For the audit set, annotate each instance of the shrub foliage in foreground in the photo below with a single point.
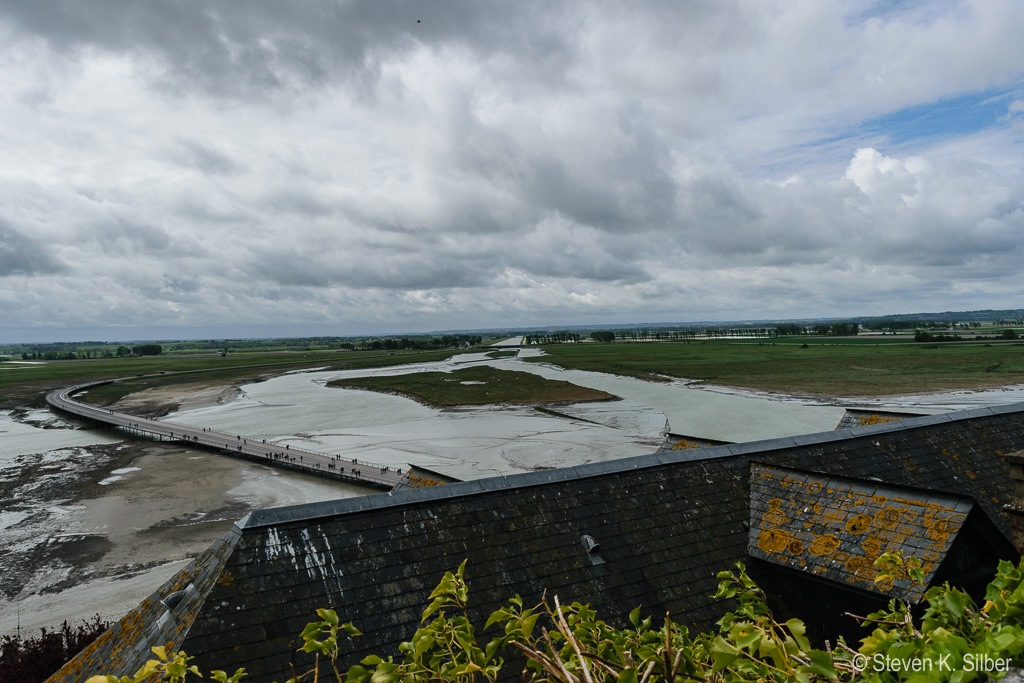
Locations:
(954, 640)
(35, 659)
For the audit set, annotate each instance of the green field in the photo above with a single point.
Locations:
(857, 366)
(475, 386)
(22, 385)
(831, 367)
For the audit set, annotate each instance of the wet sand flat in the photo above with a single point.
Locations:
(164, 399)
(96, 528)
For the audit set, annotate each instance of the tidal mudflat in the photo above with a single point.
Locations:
(478, 441)
(92, 524)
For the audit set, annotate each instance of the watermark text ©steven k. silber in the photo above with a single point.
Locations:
(948, 662)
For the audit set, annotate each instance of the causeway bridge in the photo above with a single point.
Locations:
(236, 445)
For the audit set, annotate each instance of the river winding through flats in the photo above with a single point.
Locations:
(95, 524)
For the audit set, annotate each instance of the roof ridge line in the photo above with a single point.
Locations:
(308, 511)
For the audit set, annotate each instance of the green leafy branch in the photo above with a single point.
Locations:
(172, 667)
(443, 649)
(569, 644)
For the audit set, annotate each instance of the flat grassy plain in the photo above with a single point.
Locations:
(479, 385)
(827, 367)
(26, 385)
(831, 367)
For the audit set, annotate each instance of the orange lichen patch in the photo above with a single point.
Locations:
(858, 524)
(876, 419)
(417, 481)
(862, 568)
(862, 417)
(681, 442)
(774, 541)
(941, 529)
(774, 517)
(887, 518)
(686, 444)
(872, 547)
(419, 477)
(823, 545)
(838, 527)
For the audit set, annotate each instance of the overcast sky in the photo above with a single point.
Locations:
(197, 169)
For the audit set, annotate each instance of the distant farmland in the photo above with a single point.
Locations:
(814, 366)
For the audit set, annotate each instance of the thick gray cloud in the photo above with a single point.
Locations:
(339, 167)
(22, 255)
(247, 48)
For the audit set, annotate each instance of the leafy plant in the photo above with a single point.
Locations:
(954, 640)
(754, 646)
(445, 649)
(172, 667)
(328, 629)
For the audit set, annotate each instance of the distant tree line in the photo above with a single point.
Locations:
(447, 341)
(835, 329)
(1002, 317)
(140, 350)
(926, 336)
(792, 329)
(838, 329)
(65, 352)
(553, 338)
(908, 325)
(278, 344)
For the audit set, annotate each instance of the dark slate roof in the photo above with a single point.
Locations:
(681, 442)
(666, 524)
(836, 527)
(861, 417)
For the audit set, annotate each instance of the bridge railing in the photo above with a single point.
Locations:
(291, 449)
(151, 425)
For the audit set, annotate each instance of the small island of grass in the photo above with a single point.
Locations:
(480, 385)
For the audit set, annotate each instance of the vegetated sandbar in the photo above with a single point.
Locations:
(481, 385)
